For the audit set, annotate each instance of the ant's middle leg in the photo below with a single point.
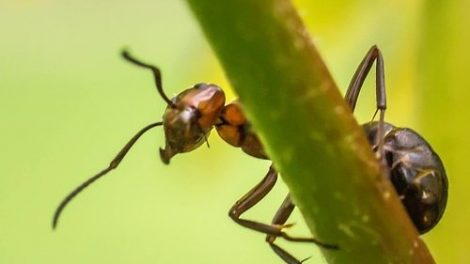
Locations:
(279, 219)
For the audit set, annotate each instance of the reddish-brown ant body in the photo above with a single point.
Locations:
(413, 167)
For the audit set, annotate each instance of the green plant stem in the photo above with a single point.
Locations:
(309, 131)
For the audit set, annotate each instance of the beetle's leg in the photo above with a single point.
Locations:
(357, 81)
(155, 70)
(279, 219)
(251, 199)
(112, 165)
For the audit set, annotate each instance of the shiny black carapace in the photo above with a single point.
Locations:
(411, 164)
(416, 171)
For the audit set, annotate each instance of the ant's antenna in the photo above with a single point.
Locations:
(114, 163)
(156, 74)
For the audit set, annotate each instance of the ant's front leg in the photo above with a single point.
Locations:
(251, 199)
(273, 230)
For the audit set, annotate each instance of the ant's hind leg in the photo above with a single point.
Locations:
(279, 219)
(357, 81)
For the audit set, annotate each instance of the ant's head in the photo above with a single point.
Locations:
(189, 118)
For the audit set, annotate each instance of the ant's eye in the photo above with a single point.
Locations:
(199, 85)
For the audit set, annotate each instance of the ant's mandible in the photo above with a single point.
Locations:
(415, 170)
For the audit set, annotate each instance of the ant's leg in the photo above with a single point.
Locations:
(156, 74)
(251, 199)
(282, 214)
(112, 165)
(360, 75)
(357, 81)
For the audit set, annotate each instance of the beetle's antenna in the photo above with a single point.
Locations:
(156, 74)
(113, 164)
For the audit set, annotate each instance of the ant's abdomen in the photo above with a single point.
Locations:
(416, 172)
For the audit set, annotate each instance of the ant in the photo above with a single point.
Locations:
(415, 170)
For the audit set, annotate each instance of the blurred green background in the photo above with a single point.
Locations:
(69, 103)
